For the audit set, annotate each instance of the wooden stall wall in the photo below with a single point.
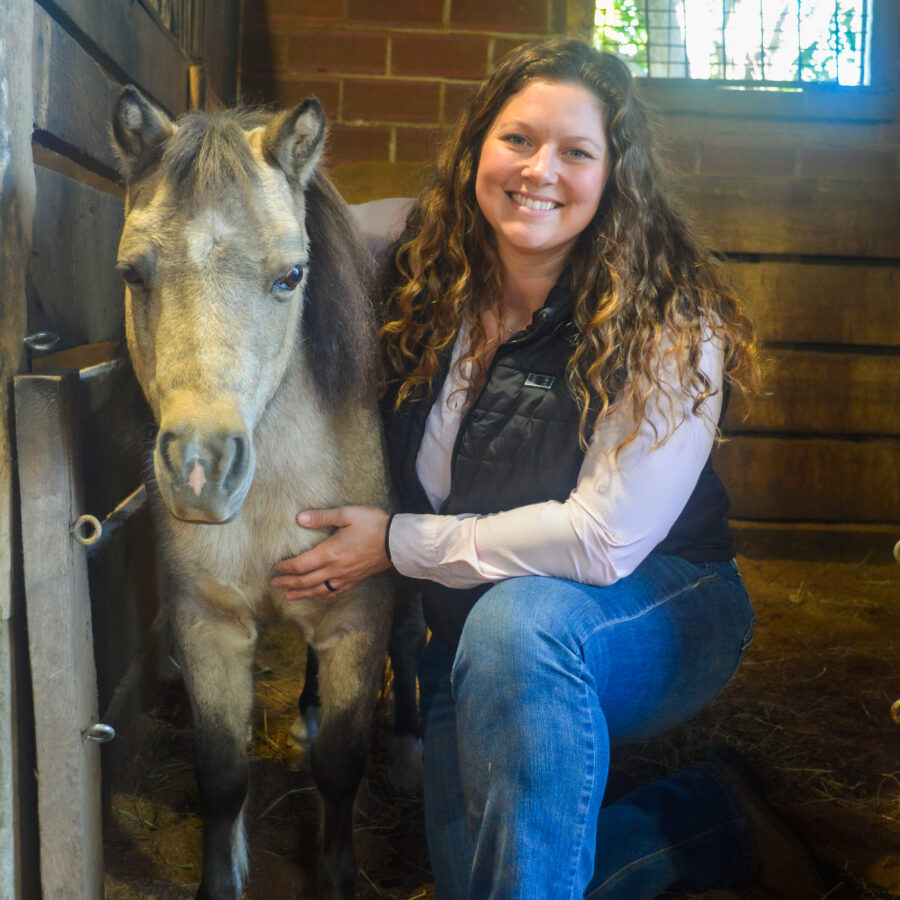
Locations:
(62, 63)
(801, 192)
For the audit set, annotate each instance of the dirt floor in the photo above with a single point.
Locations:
(810, 708)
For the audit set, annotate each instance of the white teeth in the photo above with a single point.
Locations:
(522, 200)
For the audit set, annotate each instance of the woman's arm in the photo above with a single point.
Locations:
(381, 221)
(620, 509)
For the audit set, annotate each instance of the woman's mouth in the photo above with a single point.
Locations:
(530, 203)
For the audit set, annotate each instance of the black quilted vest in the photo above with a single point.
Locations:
(518, 444)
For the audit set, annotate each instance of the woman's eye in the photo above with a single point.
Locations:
(515, 139)
(577, 153)
(289, 280)
(131, 277)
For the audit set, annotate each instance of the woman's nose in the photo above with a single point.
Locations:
(541, 166)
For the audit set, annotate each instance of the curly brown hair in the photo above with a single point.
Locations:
(644, 283)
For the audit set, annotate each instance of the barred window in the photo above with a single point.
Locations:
(753, 43)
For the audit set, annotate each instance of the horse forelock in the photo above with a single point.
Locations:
(209, 157)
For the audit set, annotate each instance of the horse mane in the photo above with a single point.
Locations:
(339, 325)
(338, 329)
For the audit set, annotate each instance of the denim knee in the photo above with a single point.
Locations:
(511, 632)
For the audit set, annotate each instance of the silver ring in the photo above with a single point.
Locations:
(329, 585)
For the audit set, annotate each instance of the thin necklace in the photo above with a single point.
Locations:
(513, 329)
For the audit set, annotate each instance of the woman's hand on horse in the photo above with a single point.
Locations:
(353, 552)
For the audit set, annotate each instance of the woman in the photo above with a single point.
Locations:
(559, 344)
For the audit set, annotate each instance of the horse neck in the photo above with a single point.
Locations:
(295, 424)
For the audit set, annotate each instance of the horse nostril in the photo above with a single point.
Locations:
(234, 461)
(163, 444)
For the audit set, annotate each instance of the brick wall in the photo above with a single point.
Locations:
(390, 73)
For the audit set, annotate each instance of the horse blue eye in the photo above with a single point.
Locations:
(290, 280)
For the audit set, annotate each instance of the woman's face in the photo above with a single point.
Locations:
(542, 170)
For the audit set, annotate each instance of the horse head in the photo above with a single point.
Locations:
(214, 253)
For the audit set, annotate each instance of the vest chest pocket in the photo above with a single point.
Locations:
(536, 380)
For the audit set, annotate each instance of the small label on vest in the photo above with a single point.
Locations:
(544, 382)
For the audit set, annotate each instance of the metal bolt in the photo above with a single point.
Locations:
(100, 733)
(41, 341)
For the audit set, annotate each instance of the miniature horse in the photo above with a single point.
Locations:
(251, 333)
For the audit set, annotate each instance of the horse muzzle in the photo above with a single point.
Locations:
(203, 474)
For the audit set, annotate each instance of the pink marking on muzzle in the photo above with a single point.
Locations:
(197, 478)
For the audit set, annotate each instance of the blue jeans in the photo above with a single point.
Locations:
(518, 727)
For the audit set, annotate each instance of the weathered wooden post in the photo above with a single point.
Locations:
(60, 636)
(17, 203)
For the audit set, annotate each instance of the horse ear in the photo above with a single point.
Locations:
(140, 130)
(294, 140)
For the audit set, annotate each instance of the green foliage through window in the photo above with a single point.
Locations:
(751, 42)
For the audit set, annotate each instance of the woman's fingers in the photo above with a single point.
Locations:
(354, 551)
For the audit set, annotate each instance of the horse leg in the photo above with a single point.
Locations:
(216, 655)
(407, 640)
(304, 728)
(349, 674)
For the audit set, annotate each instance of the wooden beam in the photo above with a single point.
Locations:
(822, 304)
(812, 480)
(815, 542)
(823, 393)
(18, 830)
(137, 48)
(673, 96)
(77, 292)
(73, 96)
(855, 217)
(60, 637)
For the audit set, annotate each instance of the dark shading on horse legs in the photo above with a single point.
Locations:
(222, 779)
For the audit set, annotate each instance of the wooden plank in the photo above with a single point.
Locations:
(17, 206)
(73, 96)
(60, 637)
(84, 356)
(812, 480)
(138, 50)
(76, 291)
(815, 103)
(857, 217)
(220, 48)
(18, 826)
(801, 540)
(122, 569)
(108, 183)
(823, 393)
(823, 304)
